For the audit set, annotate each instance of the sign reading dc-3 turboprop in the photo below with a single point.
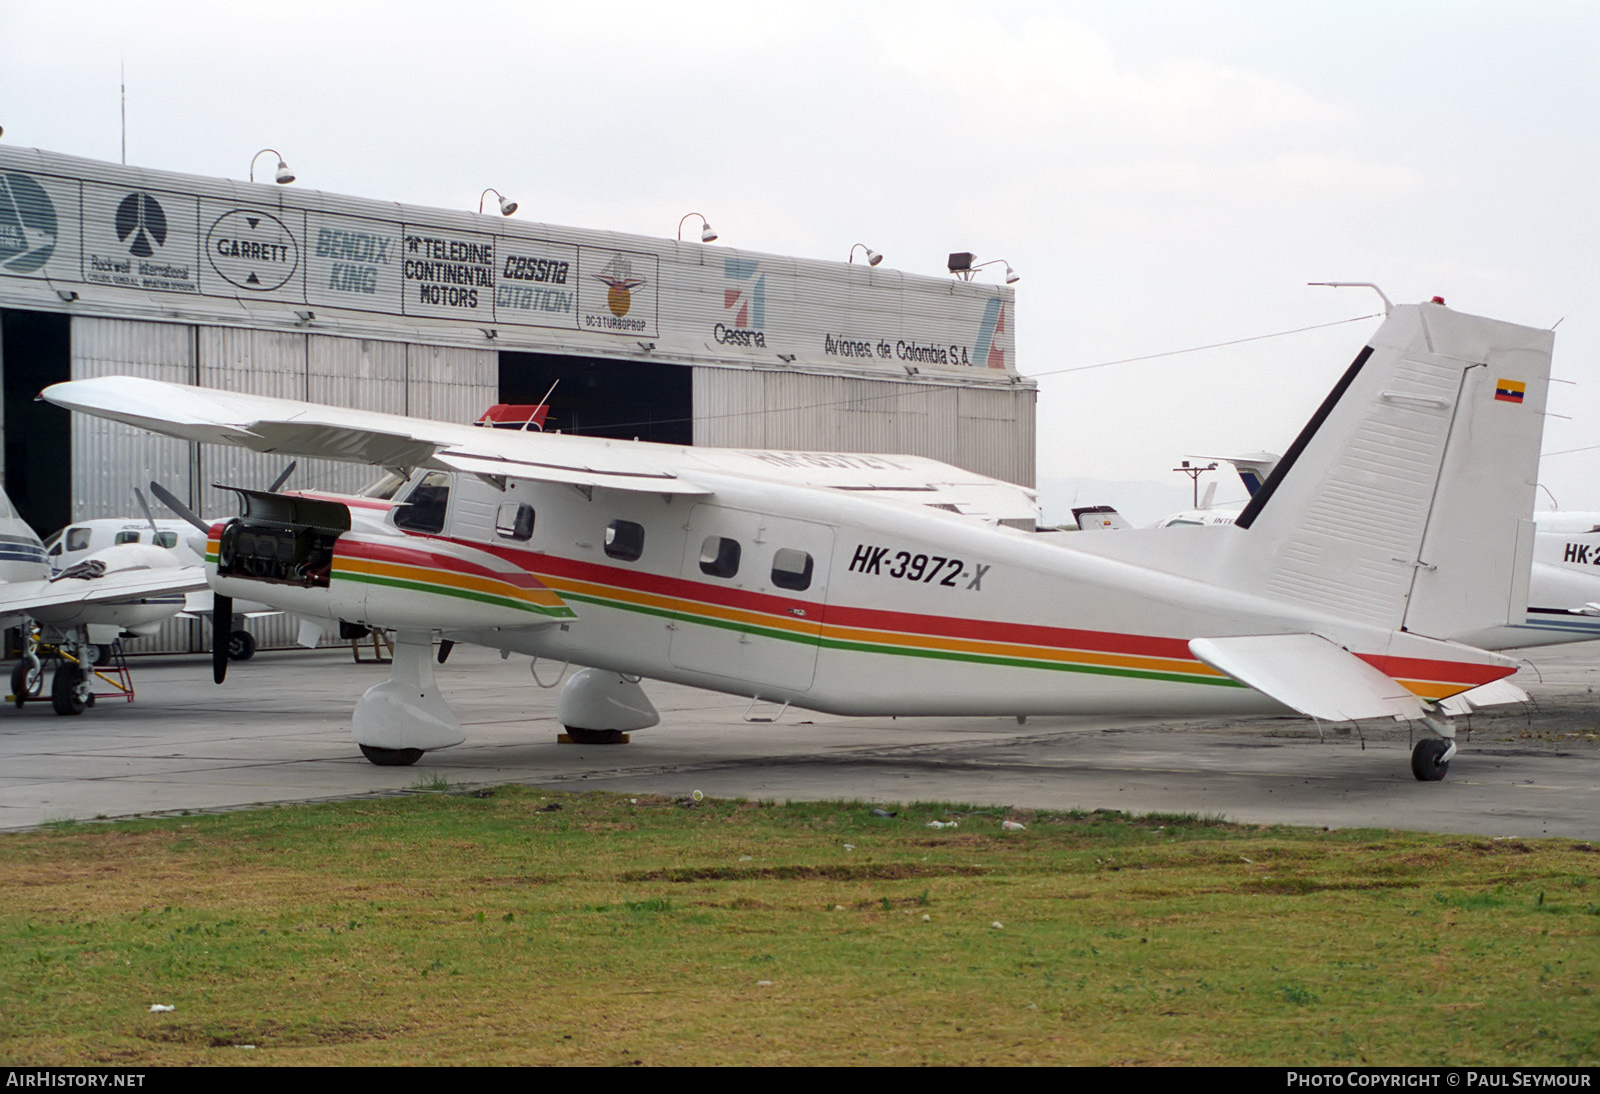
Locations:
(883, 585)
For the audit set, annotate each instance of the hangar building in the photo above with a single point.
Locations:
(280, 290)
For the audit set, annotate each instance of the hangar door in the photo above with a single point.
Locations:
(600, 397)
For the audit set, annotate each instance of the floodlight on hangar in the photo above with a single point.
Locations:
(283, 177)
(962, 265)
(873, 257)
(507, 206)
(707, 233)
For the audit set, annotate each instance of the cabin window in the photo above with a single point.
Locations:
(719, 556)
(127, 537)
(424, 509)
(166, 539)
(624, 540)
(78, 539)
(514, 520)
(791, 569)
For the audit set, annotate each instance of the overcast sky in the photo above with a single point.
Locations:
(1161, 175)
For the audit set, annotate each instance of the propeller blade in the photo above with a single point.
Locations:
(146, 507)
(221, 627)
(170, 500)
(277, 483)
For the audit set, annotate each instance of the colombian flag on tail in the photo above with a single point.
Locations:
(1509, 391)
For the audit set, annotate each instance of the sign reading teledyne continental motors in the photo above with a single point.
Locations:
(181, 246)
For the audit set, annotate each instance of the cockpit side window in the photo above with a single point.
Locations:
(424, 508)
(166, 539)
(77, 539)
(127, 537)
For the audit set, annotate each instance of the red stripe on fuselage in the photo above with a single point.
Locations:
(984, 630)
(350, 548)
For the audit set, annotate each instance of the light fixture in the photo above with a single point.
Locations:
(707, 235)
(283, 177)
(67, 295)
(507, 206)
(490, 333)
(962, 266)
(873, 257)
(647, 346)
(304, 317)
(1387, 306)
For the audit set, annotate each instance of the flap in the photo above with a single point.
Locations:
(654, 482)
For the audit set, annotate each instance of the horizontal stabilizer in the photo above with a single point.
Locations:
(1310, 674)
(1484, 695)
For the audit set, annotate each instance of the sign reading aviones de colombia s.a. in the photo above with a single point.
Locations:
(179, 246)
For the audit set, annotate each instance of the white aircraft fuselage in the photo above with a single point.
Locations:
(872, 584)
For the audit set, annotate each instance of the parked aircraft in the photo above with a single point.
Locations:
(124, 589)
(887, 585)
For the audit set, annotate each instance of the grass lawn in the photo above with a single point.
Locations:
(523, 926)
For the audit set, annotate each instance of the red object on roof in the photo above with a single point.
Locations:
(515, 416)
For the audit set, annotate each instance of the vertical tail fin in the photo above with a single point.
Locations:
(1406, 501)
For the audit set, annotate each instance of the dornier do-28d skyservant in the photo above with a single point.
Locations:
(883, 585)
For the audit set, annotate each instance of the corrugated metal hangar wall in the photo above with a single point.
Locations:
(106, 269)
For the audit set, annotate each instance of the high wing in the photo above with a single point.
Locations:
(288, 427)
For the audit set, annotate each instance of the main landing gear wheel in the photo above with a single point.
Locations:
(27, 681)
(64, 694)
(1426, 764)
(391, 757)
(595, 736)
(241, 646)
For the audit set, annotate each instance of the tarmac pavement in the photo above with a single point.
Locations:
(278, 731)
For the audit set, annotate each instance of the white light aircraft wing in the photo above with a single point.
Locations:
(265, 424)
(20, 598)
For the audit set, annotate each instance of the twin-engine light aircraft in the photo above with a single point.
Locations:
(126, 589)
(888, 585)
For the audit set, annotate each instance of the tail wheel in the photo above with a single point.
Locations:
(64, 694)
(391, 757)
(1426, 760)
(241, 646)
(27, 681)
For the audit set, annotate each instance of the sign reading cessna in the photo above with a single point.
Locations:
(252, 250)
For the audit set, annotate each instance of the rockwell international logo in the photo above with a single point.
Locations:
(28, 228)
(139, 246)
(141, 223)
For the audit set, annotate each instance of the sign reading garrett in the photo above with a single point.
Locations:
(252, 250)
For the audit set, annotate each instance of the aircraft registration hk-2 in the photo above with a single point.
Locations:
(887, 585)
